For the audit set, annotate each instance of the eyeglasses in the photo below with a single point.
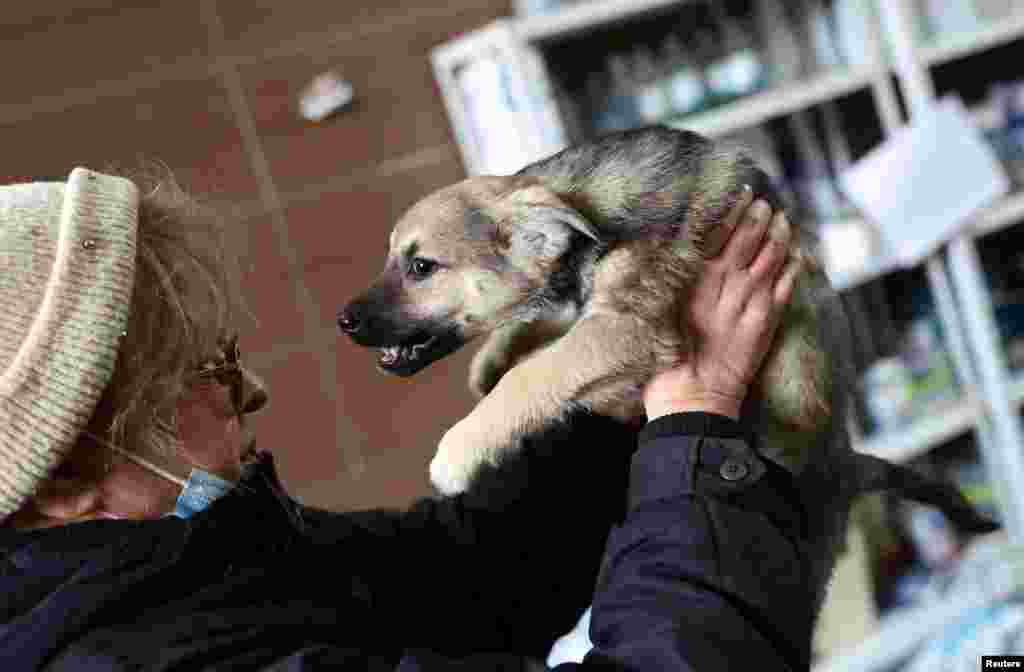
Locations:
(226, 369)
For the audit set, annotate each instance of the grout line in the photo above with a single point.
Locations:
(312, 43)
(419, 158)
(204, 67)
(315, 334)
(194, 69)
(253, 147)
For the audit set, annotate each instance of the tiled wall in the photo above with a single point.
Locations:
(210, 88)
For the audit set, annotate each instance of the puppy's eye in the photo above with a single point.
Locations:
(421, 268)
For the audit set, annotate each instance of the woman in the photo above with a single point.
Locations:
(140, 532)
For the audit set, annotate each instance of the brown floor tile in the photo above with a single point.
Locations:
(342, 236)
(38, 15)
(397, 422)
(259, 26)
(396, 109)
(188, 126)
(49, 53)
(300, 425)
(271, 291)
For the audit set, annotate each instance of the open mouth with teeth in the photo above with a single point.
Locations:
(416, 353)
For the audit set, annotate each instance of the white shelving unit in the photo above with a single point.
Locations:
(585, 17)
(1017, 389)
(991, 396)
(875, 268)
(777, 102)
(1005, 212)
(996, 421)
(937, 424)
(1007, 30)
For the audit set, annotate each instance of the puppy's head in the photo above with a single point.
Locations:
(461, 262)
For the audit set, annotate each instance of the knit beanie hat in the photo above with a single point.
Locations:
(67, 264)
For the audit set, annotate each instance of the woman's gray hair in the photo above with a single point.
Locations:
(187, 298)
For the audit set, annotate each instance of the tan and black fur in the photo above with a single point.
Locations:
(573, 269)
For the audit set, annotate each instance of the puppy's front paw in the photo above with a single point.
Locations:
(484, 373)
(461, 452)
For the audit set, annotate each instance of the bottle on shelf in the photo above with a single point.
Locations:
(531, 8)
(737, 70)
(950, 18)
(652, 99)
(595, 98)
(814, 183)
(785, 61)
(994, 10)
(886, 386)
(931, 368)
(687, 90)
(857, 31)
(848, 242)
(819, 35)
(706, 52)
(839, 155)
(616, 110)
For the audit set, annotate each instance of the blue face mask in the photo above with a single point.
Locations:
(200, 491)
(197, 493)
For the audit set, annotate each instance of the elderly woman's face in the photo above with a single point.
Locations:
(209, 429)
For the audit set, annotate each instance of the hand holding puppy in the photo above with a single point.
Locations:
(732, 313)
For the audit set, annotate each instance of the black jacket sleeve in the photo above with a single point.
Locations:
(705, 572)
(509, 565)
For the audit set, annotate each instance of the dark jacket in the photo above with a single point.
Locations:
(701, 574)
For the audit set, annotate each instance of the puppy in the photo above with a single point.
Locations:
(576, 269)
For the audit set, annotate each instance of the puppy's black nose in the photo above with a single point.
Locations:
(349, 322)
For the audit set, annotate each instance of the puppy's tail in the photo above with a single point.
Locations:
(873, 474)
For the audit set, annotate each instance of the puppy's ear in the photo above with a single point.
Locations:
(544, 231)
(567, 217)
(538, 223)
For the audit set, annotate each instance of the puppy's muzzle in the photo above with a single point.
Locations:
(349, 322)
(366, 326)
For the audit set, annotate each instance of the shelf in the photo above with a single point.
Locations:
(875, 268)
(955, 47)
(936, 424)
(585, 16)
(1001, 214)
(1005, 212)
(1017, 388)
(901, 633)
(775, 102)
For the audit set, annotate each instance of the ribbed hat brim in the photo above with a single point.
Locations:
(67, 267)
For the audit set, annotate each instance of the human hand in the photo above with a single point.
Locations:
(732, 314)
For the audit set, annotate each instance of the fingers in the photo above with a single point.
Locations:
(787, 281)
(772, 276)
(718, 238)
(771, 255)
(746, 240)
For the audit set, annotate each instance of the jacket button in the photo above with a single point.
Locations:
(733, 470)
